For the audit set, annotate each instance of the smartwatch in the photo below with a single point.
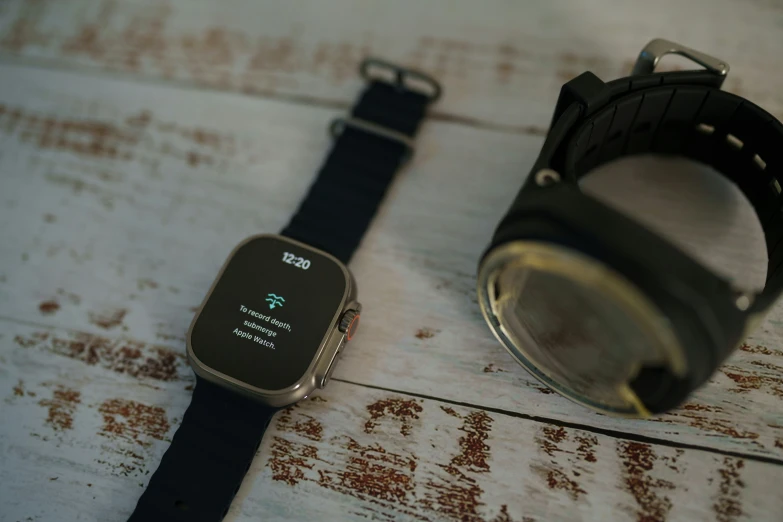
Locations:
(592, 303)
(279, 313)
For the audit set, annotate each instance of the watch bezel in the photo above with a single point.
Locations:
(330, 342)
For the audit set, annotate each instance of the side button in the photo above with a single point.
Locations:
(332, 365)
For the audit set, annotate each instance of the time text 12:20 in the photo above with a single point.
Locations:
(299, 262)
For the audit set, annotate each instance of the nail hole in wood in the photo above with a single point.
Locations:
(705, 128)
(734, 141)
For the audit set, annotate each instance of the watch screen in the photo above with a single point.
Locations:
(268, 313)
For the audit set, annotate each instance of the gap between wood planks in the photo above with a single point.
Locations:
(296, 99)
(616, 434)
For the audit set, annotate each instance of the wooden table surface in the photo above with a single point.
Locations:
(141, 140)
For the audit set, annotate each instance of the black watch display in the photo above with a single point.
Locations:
(591, 302)
(279, 313)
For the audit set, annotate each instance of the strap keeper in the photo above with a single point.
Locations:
(338, 125)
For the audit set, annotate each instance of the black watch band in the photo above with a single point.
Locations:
(221, 430)
(683, 113)
(202, 469)
(370, 147)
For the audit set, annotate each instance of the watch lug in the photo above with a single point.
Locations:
(587, 89)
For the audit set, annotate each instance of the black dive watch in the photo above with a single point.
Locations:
(592, 303)
(277, 316)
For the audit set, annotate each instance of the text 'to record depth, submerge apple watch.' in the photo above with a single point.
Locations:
(282, 307)
(592, 303)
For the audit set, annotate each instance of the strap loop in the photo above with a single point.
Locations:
(403, 79)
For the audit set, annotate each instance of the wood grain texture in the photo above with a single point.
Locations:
(125, 199)
(120, 200)
(502, 64)
(86, 434)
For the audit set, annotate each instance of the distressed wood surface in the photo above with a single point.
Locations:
(88, 430)
(120, 200)
(503, 63)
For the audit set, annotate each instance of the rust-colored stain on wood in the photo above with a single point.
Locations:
(127, 356)
(543, 389)
(137, 137)
(671, 462)
(728, 506)
(768, 366)
(699, 407)
(549, 439)
(474, 450)
(709, 418)
(308, 427)
(289, 460)
(133, 421)
(83, 137)
(638, 460)
(108, 318)
(371, 471)
(556, 476)
(491, 368)
(451, 411)
(49, 307)
(585, 449)
(62, 407)
(505, 67)
(19, 389)
(460, 497)
(425, 333)
(763, 350)
(29, 393)
(557, 479)
(403, 410)
(745, 381)
(214, 55)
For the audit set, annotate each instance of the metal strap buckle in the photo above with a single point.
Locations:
(404, 79)
(656, 49)
(340, 124)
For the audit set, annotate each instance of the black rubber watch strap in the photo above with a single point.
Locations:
(211, 451)
(201, 471)
(371, 147)
(682, 114)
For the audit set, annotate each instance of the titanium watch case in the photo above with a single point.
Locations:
(698, 314)
(324, 361)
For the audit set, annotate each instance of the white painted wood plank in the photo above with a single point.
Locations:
(120, 201)
(84, 438)
(502, 62)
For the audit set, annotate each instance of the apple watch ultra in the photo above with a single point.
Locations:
(592, 303)
(281, 309)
